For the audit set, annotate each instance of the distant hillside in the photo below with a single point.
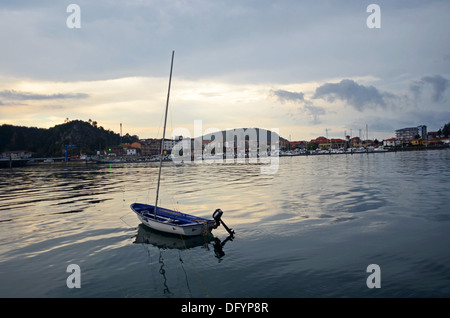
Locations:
(50, 142)
(260, 132)
(86, 135)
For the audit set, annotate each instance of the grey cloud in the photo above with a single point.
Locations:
(438, 84)
(15, 95)
(289, 96)
(314, 112)
(9, 104)
(416, 89)
(358, 96)
(239, 40)
(306, 106)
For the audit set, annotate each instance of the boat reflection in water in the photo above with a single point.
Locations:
(167, 241)
(146, 235)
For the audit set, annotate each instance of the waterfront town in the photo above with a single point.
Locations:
(409, 138)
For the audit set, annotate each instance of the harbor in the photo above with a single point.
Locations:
(87, 160)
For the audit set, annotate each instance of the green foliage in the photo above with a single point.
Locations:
(20, 138)
(446, 130)
(50, 142)
(128, 139)
(312, 146)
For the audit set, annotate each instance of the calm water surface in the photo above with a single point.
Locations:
(310, 230)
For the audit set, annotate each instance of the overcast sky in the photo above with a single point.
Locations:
(304, 67)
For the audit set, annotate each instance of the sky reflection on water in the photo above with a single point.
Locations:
(310, 230)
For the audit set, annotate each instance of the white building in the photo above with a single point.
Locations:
(132, 151)
(169, 143)
(392, 142)
(410, 133)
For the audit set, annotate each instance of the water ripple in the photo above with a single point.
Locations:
(317, 223)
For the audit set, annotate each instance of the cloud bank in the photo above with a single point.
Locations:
(437, 83)
(284, 96)
(15, 95)
(16, 98)
(398, 108)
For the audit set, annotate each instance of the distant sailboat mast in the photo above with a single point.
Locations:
(164, 136)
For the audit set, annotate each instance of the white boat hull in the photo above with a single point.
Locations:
(186, 230)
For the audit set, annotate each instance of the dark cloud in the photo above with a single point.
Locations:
(438, 84)
(15, 95)
(358, 96)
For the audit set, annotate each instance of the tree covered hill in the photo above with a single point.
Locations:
(50, 142)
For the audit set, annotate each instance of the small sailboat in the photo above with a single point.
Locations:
(171, 221)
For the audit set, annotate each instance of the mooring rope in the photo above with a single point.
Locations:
(195, 268)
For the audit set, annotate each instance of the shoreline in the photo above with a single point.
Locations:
(386, 150)
(14, 163)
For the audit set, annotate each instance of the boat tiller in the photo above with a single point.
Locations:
(217, 218)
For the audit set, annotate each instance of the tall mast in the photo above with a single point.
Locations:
(164, 135)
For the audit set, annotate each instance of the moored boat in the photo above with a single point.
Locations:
(171, 221)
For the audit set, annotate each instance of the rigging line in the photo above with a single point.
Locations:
(185, 274)
(173, 202)
(171, 121)
(195, 268)
(160, 125)
(149, 255)
(121, 218)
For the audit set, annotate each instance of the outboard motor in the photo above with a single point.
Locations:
(217, 218)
